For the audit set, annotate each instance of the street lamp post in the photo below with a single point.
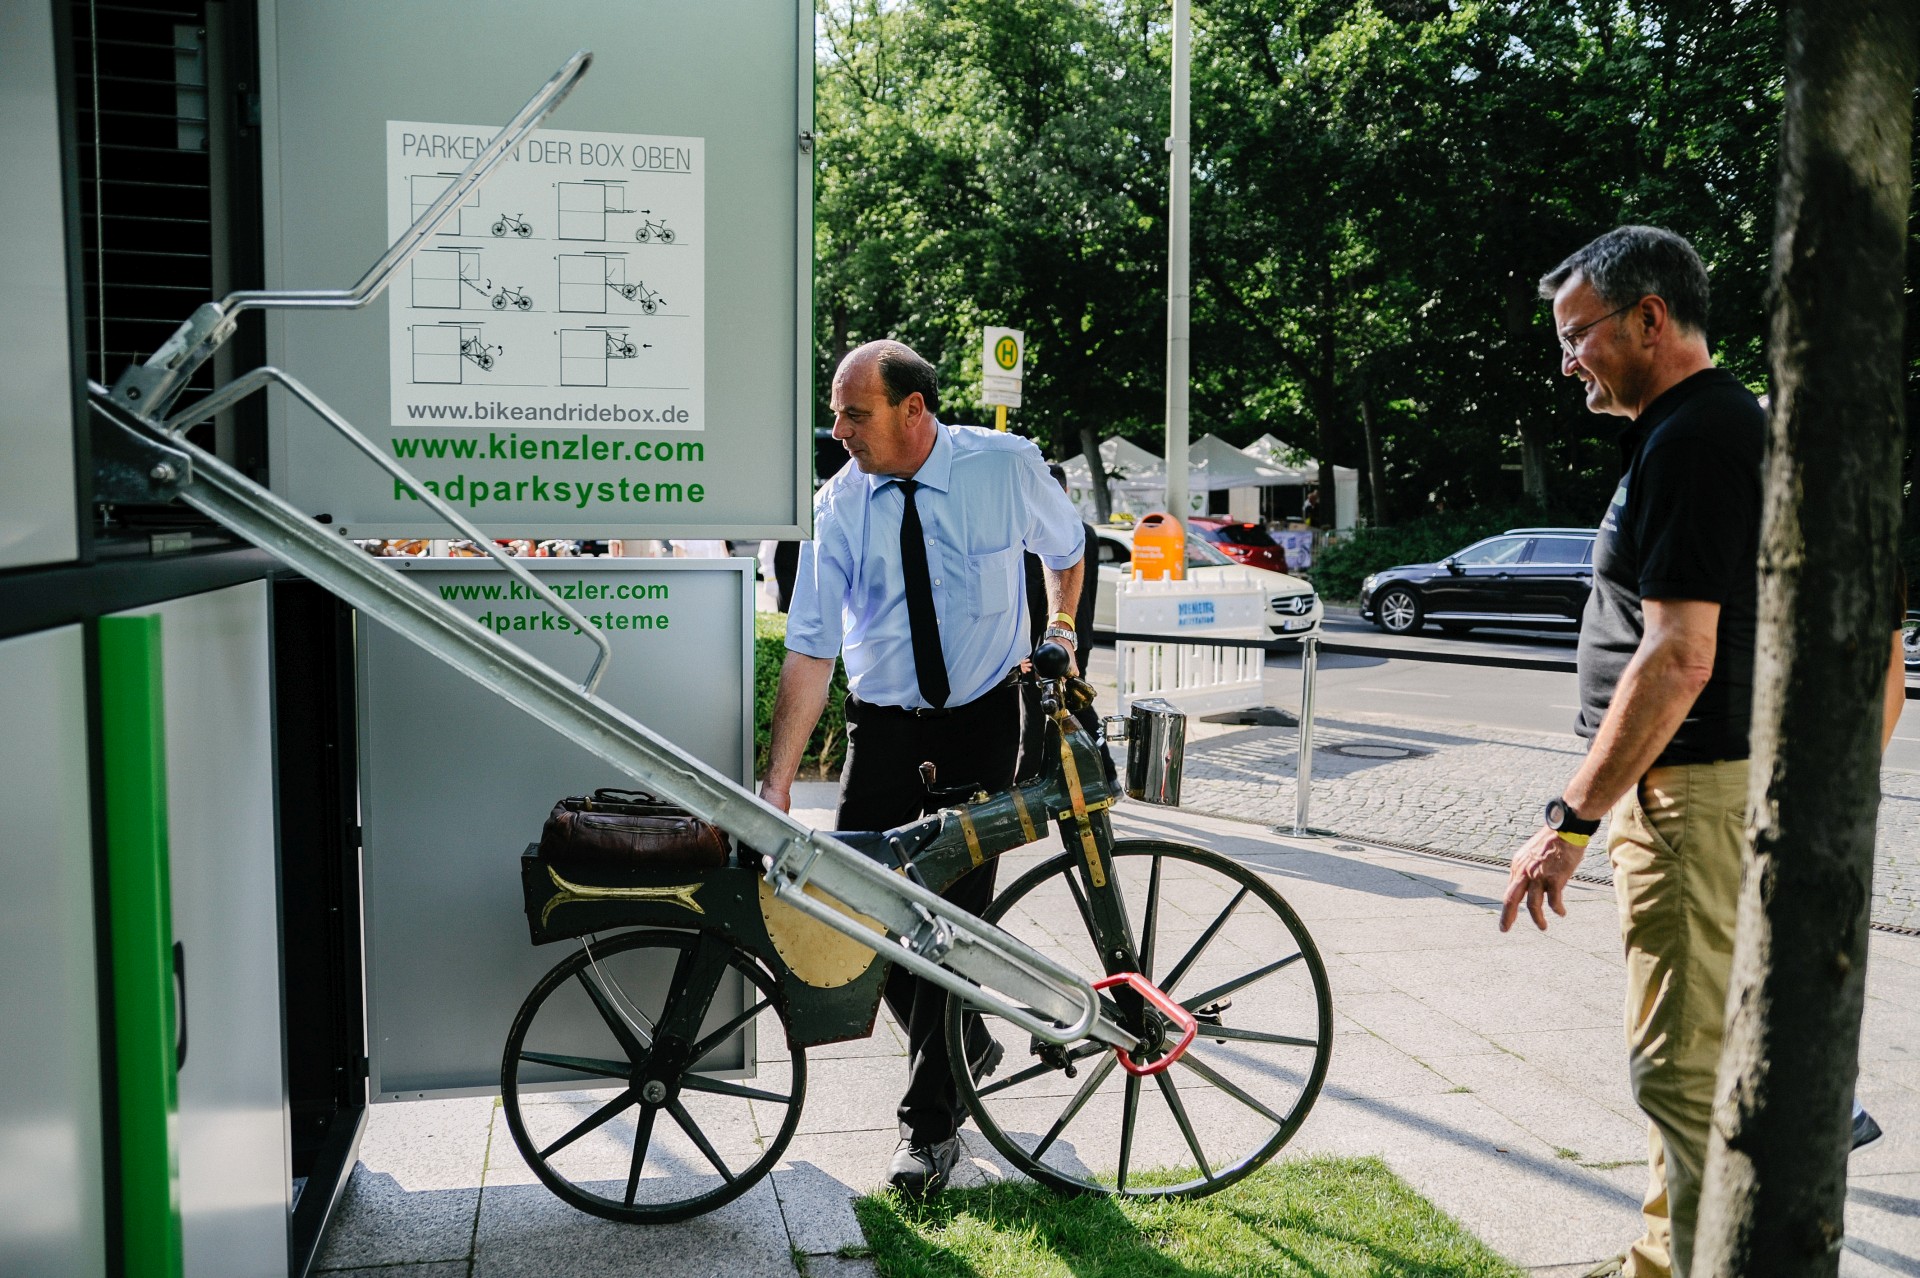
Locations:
(1178, 238)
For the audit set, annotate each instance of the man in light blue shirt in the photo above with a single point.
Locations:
(914, 578)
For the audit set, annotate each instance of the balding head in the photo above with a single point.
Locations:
(901, 370)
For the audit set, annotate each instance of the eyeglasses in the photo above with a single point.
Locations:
(1570, 340)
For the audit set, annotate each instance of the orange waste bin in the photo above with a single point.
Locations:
(1159, 548)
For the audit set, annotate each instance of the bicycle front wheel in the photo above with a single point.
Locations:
(1216, 937)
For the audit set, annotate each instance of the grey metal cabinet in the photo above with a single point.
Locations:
(52, 1208)
(233, 1139)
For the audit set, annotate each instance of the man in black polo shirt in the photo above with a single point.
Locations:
(1666, 686)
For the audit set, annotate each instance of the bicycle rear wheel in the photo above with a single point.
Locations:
(645, 1026)
(1217, 938)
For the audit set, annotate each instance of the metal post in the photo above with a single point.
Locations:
(1181, 171)
(1303, 777)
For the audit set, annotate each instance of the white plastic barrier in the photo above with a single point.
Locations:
(1226, 605)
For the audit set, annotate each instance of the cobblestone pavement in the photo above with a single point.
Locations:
(1459, 789)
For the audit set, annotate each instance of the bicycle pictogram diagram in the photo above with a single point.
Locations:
(638, 293)
(585, 353)
(442, 352)
(509, 223)
(474, 349)
(516, 298)
(650, 231)
(586, 280)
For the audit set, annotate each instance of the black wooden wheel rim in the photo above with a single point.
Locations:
(650, 1109)
(1209, 1062)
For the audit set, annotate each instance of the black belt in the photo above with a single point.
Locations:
(929, 712)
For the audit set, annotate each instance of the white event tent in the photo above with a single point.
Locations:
(1137, 480)
(1304, 470)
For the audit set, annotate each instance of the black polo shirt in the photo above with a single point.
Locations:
(1683, 524)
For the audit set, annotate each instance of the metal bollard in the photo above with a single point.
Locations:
(1303, 777)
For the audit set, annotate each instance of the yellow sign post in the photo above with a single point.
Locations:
(1003, 356)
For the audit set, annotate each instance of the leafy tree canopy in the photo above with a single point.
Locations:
(1378, 185)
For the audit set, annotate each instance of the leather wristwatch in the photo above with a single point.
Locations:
(1560, 817)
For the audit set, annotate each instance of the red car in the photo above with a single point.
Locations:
(1246, 544)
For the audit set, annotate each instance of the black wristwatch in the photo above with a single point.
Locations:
(1561, 817)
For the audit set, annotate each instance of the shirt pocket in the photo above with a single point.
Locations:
(994, 582)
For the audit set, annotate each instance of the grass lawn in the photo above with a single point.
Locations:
(1325, 1217)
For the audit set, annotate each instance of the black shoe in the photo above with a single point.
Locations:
(1865, 1130)
(982, 1064)
(919, 1170)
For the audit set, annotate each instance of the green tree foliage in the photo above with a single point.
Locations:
(1378, 185)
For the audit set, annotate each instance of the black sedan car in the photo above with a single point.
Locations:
(1533, 577)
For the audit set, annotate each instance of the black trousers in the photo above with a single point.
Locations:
(880, 787)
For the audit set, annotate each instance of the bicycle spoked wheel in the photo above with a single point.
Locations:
(613, 1078)
(1219, 940)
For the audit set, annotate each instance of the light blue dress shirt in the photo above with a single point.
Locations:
(984, 497)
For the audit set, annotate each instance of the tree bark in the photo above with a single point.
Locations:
(1376, 476)
(1775, 1185)
(1533, 462)
(1102, 499)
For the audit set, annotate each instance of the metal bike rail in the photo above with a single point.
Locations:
(145, 456)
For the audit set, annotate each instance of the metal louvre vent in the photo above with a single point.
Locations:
(146, 202)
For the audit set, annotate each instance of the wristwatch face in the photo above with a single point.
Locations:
(1560, 817)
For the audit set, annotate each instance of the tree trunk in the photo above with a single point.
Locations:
(1533, 463)
(1775, 1185)
(1325, 511)
(1102, 499)
(1376, 475)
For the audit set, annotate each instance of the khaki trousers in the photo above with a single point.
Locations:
(1678, 844)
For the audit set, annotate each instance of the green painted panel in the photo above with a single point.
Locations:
(133, 739)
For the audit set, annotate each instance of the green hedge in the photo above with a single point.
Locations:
(1339, 566)
(828, 747)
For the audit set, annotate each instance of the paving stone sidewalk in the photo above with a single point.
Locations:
(1475, 790)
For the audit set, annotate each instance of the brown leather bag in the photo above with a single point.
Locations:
(626, 830)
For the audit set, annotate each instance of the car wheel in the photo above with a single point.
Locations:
(1398, 612)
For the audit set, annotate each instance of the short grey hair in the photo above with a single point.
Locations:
(902, 371)
(1629, 262)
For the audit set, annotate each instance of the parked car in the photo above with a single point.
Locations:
(1534, 577)
(1249, 544)
(1292, 608)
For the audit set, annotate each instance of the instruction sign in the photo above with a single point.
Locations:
(1003, 363)
(569, 291)
(614, 337)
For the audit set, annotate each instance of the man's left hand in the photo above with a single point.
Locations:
(1540, 870)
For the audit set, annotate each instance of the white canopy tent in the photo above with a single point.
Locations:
(1137, 480)
(1303, 470)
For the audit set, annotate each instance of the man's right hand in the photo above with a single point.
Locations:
(1539, 873)
(777, 795)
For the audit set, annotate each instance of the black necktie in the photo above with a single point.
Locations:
(928, 662)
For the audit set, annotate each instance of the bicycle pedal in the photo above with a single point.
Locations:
(1054, 1056)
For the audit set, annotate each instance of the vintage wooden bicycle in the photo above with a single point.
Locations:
(1205, 965)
